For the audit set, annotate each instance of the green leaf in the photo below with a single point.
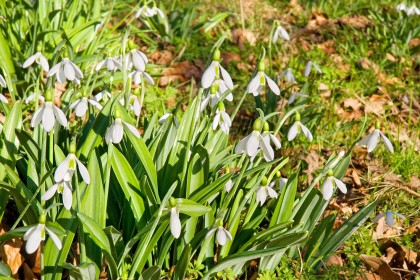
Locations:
(84, 271)
(182, 264)
(152, 273)
(198, 170)
(191, 208)
(285, 203)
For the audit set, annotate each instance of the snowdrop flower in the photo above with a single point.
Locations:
(3, 99)
(308, 68)
(217, 89)
(105, 95)
(175, 222)
(40, 59)
(63, 187)
(213, 71)
(37, 233)
(280, 32)
(288, 75)
(2, 82)
(298, 127)
(222, 118)
(371, 140)
(150, 12)
(111, 63)
(66, 70)
(32, 96)
(47, 114)
(388, 217)
(135, 58)
(115, 132)
(228, 185)
(328, 186)
(337, 159)
(137, 74)
(67, 167)
(401, 7)
(282, 182)
(81, 105)
(413, 10)
(222, 234)
(259, 81)
(265, 190)
(163, 119)
(294, 96)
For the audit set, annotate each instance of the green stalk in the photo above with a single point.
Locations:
(80, 228)
(108, 174)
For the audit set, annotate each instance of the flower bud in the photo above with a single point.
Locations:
(172, 202)
(257, 124)
(227, 170)
(221, 106)
(216, 55)
(264, 181)
(136, 92)
(220, 222)
(72, 148)
(278, 174)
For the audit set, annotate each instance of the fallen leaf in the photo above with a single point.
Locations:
(352, 103)
(10, 253)
(334, 260)
(356, 178)
(380, 267)
(366, 64)
(314, 161)
(322, 87)
(27, 273)
(355, 21)
(228, 57)
(390, 57)
(162, 57)
(240, 36)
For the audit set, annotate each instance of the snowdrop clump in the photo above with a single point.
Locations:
(371, 140)
(413, 10)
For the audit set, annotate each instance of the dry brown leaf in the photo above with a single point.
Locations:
(162, 57)
(352, 103)
(316, 20)
(355, 21)
(367, 64)
(328, 47)
(10, 253)
(322, 87)
(240, 37)
(228, 57)
(180, 72)
(369, 276)
(314, 161)
(380, 267)
(390, 57)
(334, 260)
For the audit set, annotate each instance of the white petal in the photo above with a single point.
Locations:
(83, 171)
(387, 143)
(226, 119)
(306, 132)
(61, 118)
(74, 104)
(271, 193)
(241, 146)
(228, 185)
(175, 223)
(108, 134)
(340, 185)
(132, 129)
(307, 70)
(365, 140)
(283, 33)
(137, 60)
(48, 118)
(61, 170)
(227, 233)
(378, 217)
(100, 65)
(373, 141)
(61, 76)
(275, 141)
(44, 63)
(3, 99)
(210, 232)
(149, 78)
(276, 35)
(55, 239)
(265, 145)
(283, 182)
(229, 97)
(37, 117)
(317, 68)
(29, 232)
(69, 71)
(163, 118)
(140, 11)
(216, 120)
(221, 236)
(389, 219)
(327, 188)
(33, 240)
(77, 70)
(204, 103)
(95, 104)
(81, 108)
(30, 61)
(261, 195)
(226, 77)
(209, 75)
(67, 196)
(3, 82)
(136, 107)
(54, 70)
(293, 131)
(292, 98)
(252, 144)
(50, 192)
(254, 84)
(117, 132)
(272, 85)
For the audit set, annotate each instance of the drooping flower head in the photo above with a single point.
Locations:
(260, 80)
(388, 217)
(288, 75)
(47, 114)
(37, 233)
(135, 58)
(329, 183)
(265, 190)
(112, 63)
(175, 222)
(308, 68)
(115, 132)
(150, 12)
(297, 128)
(40, 59)
(67, 167)
(222, 119)
(280, 32)
(213, 71)
(222, 234)
(66, 69)
(2, 82)
(63, 187)
(371, 140)
(81, 105)
(217, 89)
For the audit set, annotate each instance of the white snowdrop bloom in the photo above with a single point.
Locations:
(135, 58)
(81, 106)
(280, 32)
(222, 234)
(213, 71)
(288, 75)
(174, 222)
(282, 182)
(401, 7)
(115, 132)
(163, 119)
(229, 185)
(137, 74)
(413, 10)
(2, 82)
(37, 233)
(3, 99)
(308, 68)
(32, 96)
(111, 63)
(259, 81)
(102, 95)
(63, 187)
(222, 118)
(388, 217)
(150, 12)
(68, 166)
(328, 186)
(265, 190)
(294, 96)
(47, 114)
(40, 59)
(371, 140)
(217, 89)
(66, 70)
(298, 127)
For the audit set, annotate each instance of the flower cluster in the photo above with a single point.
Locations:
(413, 10)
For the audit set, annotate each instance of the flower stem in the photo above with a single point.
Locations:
(107, 175)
